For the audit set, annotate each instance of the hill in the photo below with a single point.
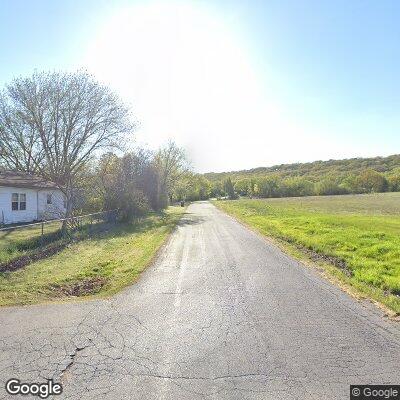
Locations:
(355, 175)
(314, 170)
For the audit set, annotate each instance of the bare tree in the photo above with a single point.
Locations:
(19, 146)
(53, 123)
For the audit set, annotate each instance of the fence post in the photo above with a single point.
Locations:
(41, 237)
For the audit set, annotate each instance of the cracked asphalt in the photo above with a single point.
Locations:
(221, 314)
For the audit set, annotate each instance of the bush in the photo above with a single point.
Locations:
(131, 204)
(328, 187)
(296, 186)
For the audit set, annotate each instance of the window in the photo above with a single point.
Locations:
(49, 199)
(14, 201)
(18, 201)
(22, 201)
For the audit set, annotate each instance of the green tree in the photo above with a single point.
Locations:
(229, 189)
(268, 187)
(123, 183)
(371, 181)
(394, 180)
(242, 186)
(192, 187)
(217, 189)
(171, 164)
(328, 186)
(296, 186)
(351, 184)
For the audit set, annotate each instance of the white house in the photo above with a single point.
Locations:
(26, 198)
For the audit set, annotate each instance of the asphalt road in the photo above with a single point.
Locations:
(221, 314)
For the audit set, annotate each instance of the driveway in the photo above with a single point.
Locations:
(221, 314)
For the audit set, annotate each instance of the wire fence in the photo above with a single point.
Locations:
(70, 221)
(20, 240)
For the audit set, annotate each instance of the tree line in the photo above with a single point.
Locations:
(368, 181)
(356, 176)
(333, 177)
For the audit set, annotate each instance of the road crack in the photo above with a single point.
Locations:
(65, 372)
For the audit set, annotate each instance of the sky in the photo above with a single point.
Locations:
(238, 84)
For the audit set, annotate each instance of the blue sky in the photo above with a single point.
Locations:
(265, 81)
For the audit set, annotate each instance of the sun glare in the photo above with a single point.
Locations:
(188, 76)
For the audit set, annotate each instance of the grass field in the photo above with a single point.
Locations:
(97, 266)
(360, 234)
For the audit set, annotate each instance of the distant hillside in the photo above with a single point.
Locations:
(355, 175)
(314, 171)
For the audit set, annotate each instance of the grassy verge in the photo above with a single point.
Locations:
(19, 242)
(355, 238)
(97, 266)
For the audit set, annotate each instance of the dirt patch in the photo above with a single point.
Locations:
(395, 292)
(336, 261)
(48, 250)
(81, 288)
(36, 255)
(318, 257)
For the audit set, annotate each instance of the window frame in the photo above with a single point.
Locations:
(18, 201)
(22, 202)
(13, 201)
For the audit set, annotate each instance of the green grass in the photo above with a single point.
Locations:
(18, 242)
(28, 239)
(97, 266)
(363, 231)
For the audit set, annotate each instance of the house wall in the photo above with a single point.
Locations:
(36, 205)
(7, 216)
(54, 210)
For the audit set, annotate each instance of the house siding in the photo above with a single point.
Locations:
(36, 205)
(54, 210)
(7, 215)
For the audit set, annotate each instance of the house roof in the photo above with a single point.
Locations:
(24, 180)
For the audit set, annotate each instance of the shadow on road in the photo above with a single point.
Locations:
(190, 219)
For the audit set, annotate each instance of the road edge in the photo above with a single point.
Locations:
(324, 269)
